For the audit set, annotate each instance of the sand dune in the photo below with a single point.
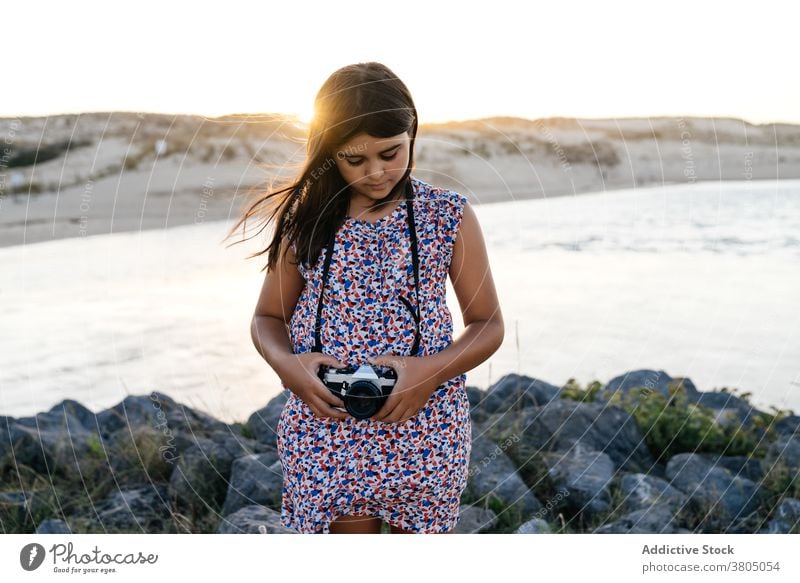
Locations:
(79, 175)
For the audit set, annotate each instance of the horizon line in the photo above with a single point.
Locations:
(295, 118)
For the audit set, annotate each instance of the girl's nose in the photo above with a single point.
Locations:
(374, 173)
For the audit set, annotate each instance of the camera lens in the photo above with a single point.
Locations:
(362, 399)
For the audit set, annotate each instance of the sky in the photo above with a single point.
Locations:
(460, 60)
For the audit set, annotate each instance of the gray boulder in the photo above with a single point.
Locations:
(75, 409)
(157, 411)
(254, 519)
(649, 380)
(202, 474)
(718, 500)
(640, 492)
(787, 426)
(786, 519)
(585, 475)
(47, 442)
(738, 465)
(255, 479)
(514, 393)
(5, 444)
(474, 519)
(658, 519)
(53, 526)
(493, 475)
(784, 451)
(263, 424)
(146, 510)
(535, 526)
(730, 409)
(562, 423)
(476, 397)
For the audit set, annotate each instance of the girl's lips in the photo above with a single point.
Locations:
(381, 185)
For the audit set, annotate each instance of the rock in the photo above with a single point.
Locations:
(493, 475)
(263, 424)
(476, 397)
(738, 465)
(5, 444)
(648, 379)
(513, 393)
(54, 420)
(146, 509)
(202, 474)
(73, 408)
(562, 423)
(657, 519)
(473, 519)
(51, 447)
(535, 526)
(787, 426)
(140, 454)
(786, 451)
(53, 526)
(585, 475)
(255, 479)
(717, 499)
(786, 519)
(254, 519)
(730, 409)
(159, 412)
(641, 491)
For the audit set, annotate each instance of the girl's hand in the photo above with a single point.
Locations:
(299, 373)
(416, 382)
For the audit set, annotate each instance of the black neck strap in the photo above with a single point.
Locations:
(409, 196)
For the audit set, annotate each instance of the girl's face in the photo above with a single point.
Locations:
(373, 166)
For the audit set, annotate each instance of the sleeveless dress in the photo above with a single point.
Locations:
(410, 474)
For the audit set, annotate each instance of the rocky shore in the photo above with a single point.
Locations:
(643, 453)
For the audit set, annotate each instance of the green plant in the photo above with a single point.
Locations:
(573, 390)
(673, 425)
(245, 431)
(779, 482)
(509, 516)
(616, 508)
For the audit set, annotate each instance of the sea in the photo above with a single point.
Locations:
(699, 280)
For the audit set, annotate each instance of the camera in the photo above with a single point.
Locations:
(364, 389)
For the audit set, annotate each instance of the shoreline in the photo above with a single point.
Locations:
(30, 222)
(100, 173)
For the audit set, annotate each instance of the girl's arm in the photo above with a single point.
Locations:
(474, 286)
(274, 309)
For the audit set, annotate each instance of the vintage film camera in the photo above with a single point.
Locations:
(364, 389)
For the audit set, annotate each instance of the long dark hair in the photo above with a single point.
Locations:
(307, 209)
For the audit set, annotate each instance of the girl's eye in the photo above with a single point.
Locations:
(358, 162)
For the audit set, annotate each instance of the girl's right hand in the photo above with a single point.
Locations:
(300, 375)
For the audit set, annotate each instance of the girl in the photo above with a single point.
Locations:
(356, 208)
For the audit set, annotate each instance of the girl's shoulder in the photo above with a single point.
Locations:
(446, 211)
(446, 204)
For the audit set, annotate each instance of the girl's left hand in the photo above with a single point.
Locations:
(416, 382)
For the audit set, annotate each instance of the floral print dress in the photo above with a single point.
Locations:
(410, 474)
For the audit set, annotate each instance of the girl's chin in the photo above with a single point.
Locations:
(377, 193)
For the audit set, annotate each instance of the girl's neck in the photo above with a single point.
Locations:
(359, 206)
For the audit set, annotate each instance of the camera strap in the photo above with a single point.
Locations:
(409, 195)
